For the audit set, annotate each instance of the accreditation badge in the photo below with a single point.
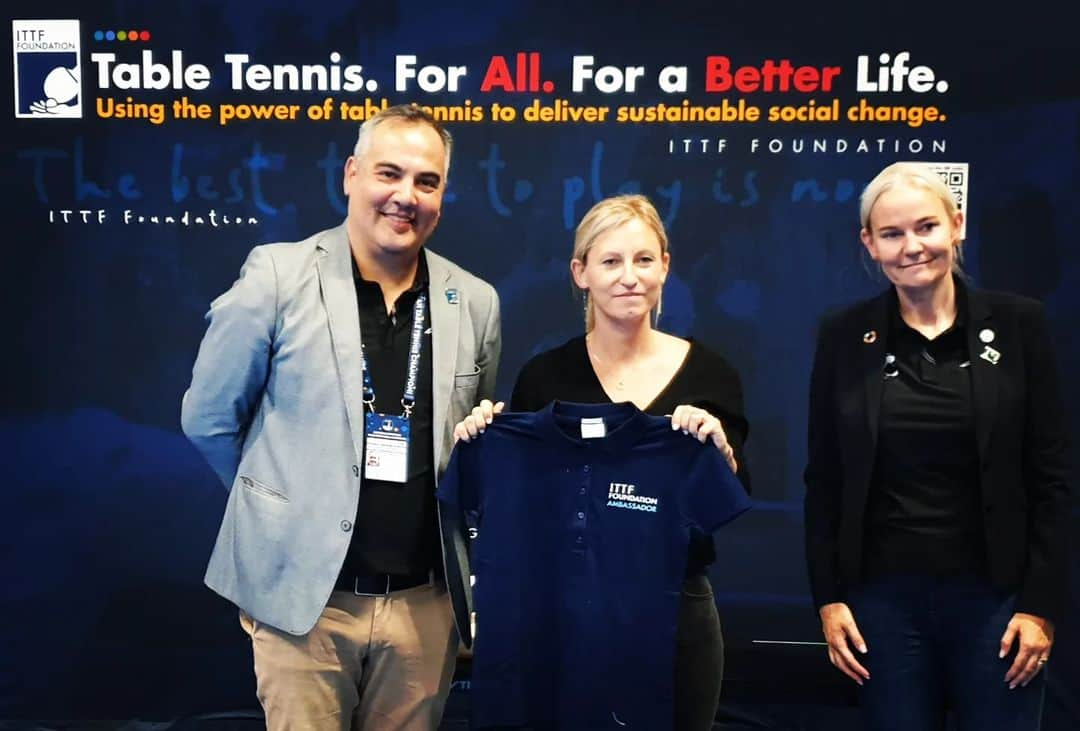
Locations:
(386, 447)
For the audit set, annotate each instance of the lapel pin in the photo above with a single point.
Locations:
(890, 370)
(869, 336)
(990, 355)
(987, 335)
(452, 296)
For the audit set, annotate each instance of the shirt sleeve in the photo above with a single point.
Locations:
(490, 350)
(1045, 473)
(458, 485)
(457, 496)
(717, 381)
(822, 502)
(233, 365)
(714, 495)
(529, 389)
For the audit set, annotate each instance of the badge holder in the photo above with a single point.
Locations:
(386, 436)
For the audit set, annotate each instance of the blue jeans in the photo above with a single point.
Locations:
(933, 644)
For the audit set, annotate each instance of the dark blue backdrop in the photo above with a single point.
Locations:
(108, 515)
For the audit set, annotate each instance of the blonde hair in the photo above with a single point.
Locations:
(915, 175)
(608, 215)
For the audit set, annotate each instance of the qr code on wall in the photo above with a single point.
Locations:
(955, 176)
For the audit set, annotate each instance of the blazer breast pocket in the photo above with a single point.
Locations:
(469, 379)
(254, 486)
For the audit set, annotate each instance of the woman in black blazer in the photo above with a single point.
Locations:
(936, 493)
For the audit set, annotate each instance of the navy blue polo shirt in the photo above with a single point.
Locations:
(579, 561)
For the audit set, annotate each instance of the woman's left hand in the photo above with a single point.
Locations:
(703, 426)
(1036, 637)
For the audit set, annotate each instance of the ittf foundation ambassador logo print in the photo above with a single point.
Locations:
(47, 69)
(624, 495)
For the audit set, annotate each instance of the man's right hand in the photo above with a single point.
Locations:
(477, 421)
(842, 634)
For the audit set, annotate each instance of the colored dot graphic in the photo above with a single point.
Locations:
(132, 36)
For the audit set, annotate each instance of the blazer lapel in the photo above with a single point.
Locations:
(871, 359)
(334, 265)
(984, 351)
(445, 306)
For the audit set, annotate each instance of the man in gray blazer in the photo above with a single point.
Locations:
(324, 396)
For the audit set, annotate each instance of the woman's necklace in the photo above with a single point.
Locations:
(617, 377)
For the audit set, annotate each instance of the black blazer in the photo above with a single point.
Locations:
(1019, 427)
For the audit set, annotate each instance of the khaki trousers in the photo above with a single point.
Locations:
(371, 663)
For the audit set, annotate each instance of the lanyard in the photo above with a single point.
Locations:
(416, 346)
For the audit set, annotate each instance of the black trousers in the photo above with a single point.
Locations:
(699, 657)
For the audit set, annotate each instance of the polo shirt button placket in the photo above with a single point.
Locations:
(583, 492)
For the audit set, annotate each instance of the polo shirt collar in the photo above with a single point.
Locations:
(901, 329)
(420, 280)
(625, 423)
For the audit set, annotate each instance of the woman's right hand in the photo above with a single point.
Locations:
(477, 421)
(842, 634)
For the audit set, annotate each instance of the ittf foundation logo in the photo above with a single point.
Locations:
(47, 70)
(624, 495)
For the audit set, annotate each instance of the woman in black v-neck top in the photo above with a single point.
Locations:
(620, 262)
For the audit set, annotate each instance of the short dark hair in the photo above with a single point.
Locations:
(406, 114)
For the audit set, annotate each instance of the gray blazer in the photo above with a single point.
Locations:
(275, 408)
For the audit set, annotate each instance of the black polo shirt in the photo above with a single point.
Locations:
(396, 528)
(923, 509)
